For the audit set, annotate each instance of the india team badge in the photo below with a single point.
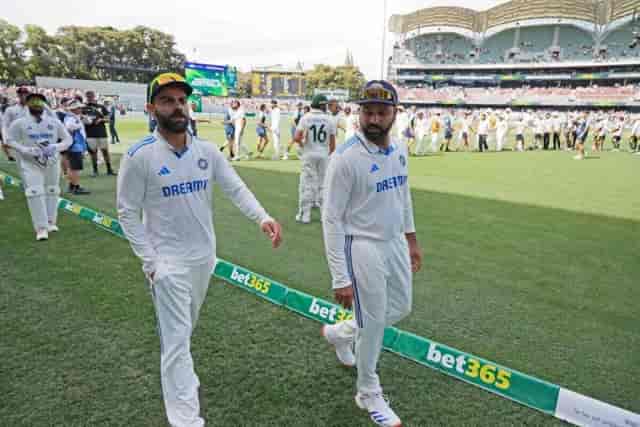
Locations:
(203, 164)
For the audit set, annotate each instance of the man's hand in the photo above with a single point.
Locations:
(272, 229)
(415, 253)
(344, 296)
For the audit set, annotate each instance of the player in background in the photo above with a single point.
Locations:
(316, 133)
(447, 124)
(634, 137)
(483, 133)
(10, 115)
(401, 125)
(422, 125)
(239, 123)
(229, 131)
(465, 131)
(502, 128)
(582, 132)
(618, 127)
(275, 129)
(519, 129)
(294, 125)
(350, 123)
(434, 127)
(538, 131)
(261, 131)
(371, 243)
(166, 212)
(410, 133)
(602, 127)
(35, 138)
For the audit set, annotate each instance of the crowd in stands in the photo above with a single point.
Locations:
(528, 44)
(497, 95)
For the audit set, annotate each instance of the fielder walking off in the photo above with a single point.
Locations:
(167, 177)
(316, 133)
(35, 138)
(371, 242)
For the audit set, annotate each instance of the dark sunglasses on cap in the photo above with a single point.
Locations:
(378, 92)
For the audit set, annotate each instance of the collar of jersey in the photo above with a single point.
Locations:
(373, 148)
(178, 154)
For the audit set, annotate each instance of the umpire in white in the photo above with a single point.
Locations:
(38, 137)
(167, 179)
(370, 241)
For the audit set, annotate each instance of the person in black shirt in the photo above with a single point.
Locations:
(111, 107)
(96, 131)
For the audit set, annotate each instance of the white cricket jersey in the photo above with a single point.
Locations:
(483, 127)
(173, 192)
(318, 127)
(502, 127)
(11, 114)
(237, 116)
(402, 123)
(366, 195)
(26, 132)
(422, 124)
(351, 125)
(275, 119)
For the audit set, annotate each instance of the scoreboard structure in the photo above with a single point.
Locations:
(278, 82)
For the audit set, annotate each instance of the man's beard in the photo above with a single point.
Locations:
(37, 113)
(171, 125)
(376, 134)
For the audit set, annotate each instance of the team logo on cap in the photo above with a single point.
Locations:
(203, 164)
(403, 161)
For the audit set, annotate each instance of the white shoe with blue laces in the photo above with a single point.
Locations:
(378, 408)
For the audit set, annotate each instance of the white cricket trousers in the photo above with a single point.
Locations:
(434, 142)
(240, 148)
(275, 133)
(178, 292)
(500, 140)
(42, 188)
(381, 275)
(420, 144)
(310, 189)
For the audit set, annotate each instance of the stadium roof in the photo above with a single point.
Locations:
(597, 12)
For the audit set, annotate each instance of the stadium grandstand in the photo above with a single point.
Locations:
(453, 54)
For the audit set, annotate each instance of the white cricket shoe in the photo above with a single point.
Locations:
(578, 157)
(378, 408)
(42, 234)
(344, 348)
(53, 228)
(1, 194)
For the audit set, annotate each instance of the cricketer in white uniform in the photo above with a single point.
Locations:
(275, 129)
(370, 242)
(10, 115)
(316, 132)
(239, 122)
(167, 177)
(34, 137)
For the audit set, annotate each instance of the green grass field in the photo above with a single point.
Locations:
(531, 260)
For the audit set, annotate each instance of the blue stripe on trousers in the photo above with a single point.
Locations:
(347, 250)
